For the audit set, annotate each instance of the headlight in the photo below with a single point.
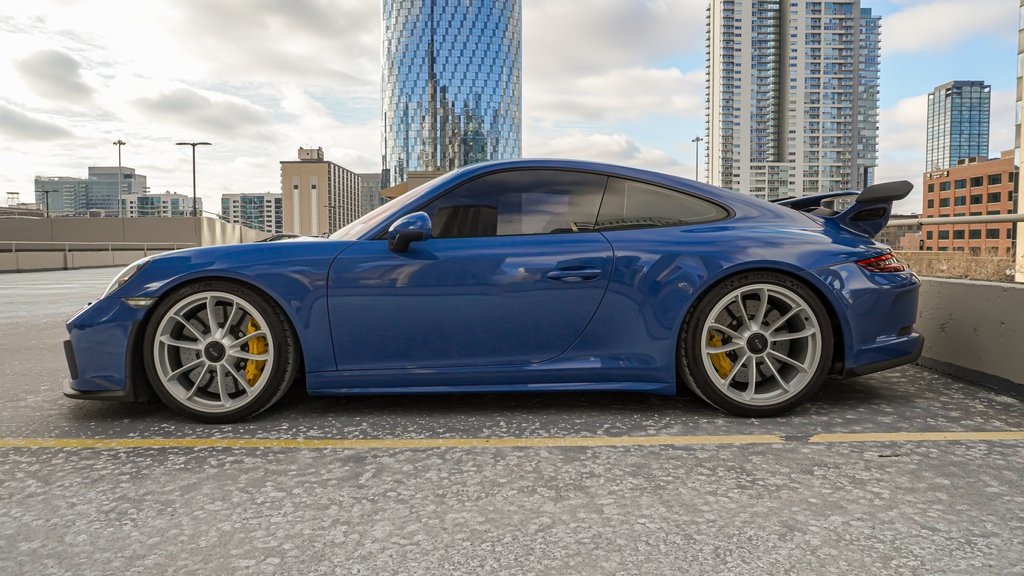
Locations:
(126, 275)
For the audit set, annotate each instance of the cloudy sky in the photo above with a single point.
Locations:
(612, 80)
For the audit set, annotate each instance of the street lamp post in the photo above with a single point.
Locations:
(119, 143)
(46, 194)
(195, 206)
(696, 157)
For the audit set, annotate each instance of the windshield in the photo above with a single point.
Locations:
(380, 214)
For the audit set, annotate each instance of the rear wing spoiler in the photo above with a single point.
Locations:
(869, 213)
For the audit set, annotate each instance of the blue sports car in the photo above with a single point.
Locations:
(523, 275)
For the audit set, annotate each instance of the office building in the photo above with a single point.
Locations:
(319, 196)
(369, 192)
(958, 121)
(792, 96)
(452, 84)
(96, 195)
(972, 188)
(261, 211)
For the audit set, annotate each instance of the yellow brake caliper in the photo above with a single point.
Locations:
(719, 360)
(257, 345)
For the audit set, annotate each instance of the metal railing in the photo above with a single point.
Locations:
(942, 220)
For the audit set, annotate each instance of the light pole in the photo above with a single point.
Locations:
(195, 206)
(46, 194)
(696, 157)
(119, 143)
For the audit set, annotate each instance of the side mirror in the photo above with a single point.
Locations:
(410, 228)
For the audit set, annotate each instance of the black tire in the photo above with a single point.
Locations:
(708, 379)
(284, 352)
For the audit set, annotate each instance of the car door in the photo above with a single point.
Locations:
(512, 276)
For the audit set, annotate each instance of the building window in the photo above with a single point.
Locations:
(928, 235)
(992, 234)
(958, 234)
(931, 204)
(994, 179)
(974, 234)
(943, 234)
(960, 201)
(1012, 178)
(995, 197)
(944, 186)
(977, 181)
(977, 198)
(931, 188)
(943, 202)
(960, 184)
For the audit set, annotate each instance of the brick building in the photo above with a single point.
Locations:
(974, 187)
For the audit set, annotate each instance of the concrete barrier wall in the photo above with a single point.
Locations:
(80, 232)
(974, 330)
(202, 231)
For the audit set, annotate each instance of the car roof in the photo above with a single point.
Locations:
(731, 198)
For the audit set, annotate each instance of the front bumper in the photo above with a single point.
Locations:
(99, 354)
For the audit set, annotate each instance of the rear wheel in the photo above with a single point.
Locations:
(219, 352)
(758, 344)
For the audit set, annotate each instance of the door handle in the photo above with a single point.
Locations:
(578, 275)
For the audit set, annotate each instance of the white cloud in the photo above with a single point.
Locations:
(569, 37)
(943, 24)
(611, 148)
(55, 75)
(18, 125)
(203, 112)
(620, 94)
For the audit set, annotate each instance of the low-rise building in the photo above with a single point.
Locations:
(260, 211)
(165, 205)
(902, 233)
(974, 187)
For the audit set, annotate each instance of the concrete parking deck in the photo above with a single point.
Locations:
(904, 471)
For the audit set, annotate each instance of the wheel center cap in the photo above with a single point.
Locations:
(214, 352)
(757, 343)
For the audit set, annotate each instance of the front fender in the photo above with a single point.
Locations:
(292, 274)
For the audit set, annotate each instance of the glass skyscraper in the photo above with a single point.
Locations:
(792, 93)
(452, 84)
(958, 122)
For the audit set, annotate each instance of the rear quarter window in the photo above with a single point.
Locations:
(629, 205)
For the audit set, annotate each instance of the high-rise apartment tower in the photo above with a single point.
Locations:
(792, 96)
(452, 85)
(958, 121)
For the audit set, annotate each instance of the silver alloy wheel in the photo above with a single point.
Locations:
(761, 344)
(213, 352)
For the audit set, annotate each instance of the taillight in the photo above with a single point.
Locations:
(884, 263)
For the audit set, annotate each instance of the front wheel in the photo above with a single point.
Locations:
(757, 344)
(219, 352)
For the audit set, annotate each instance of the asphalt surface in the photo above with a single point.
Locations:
(782, 505)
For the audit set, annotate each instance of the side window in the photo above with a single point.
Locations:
(519, 202)
(629, 205)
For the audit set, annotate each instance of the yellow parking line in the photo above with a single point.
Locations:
(551, 442)
(918, 436)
